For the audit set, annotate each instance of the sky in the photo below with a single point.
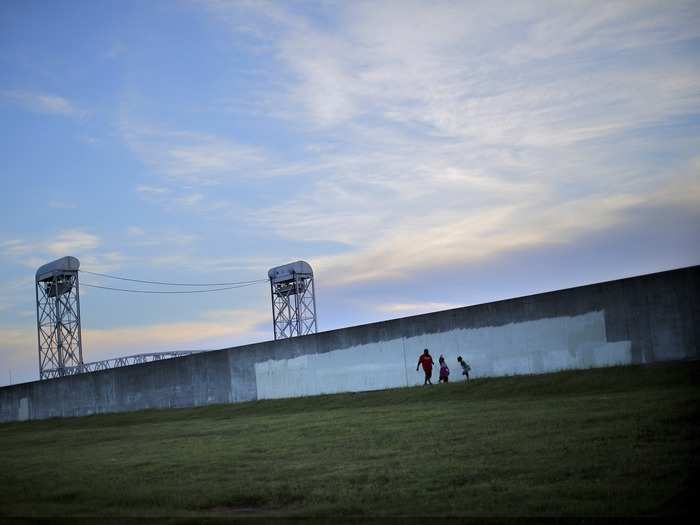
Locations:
(419, 155)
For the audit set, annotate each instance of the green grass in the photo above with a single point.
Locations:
(617, 441)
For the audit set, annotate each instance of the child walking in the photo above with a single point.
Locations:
(444, 370)
(465, 367)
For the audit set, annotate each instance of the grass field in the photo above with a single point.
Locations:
(617, 441)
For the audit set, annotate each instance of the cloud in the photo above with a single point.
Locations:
(215, 325)
(76, 242)
(15, 248)
(208, 156)
(189, 157)
(218, 264)
(72, 241)
(135, 231)
(142, 238)
(528, 74)
(446, 79)
(479, 236)
(487, 130)
(182, 197)
(404, 309)
(151, 190)
(190, 200)
(196, 172)
(619, 25)
(43, 103)
(16, 337)
(105, 262)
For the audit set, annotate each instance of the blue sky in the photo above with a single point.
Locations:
(420, 155)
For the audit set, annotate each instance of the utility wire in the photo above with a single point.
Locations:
(173, 284)
(170, 291)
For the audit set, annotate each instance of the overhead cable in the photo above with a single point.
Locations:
(173, 284)
(170, 291)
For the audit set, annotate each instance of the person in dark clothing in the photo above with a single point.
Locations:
(426, 361)
(465, 367)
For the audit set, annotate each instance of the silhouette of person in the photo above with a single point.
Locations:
(426, 361)
(465, 367)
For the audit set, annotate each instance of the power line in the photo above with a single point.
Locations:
(172, 284)
(170, 291)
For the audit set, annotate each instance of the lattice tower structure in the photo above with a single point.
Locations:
(58, 317)
(293, 295)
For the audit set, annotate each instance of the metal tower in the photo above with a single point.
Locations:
(293, 300)
(58, 317)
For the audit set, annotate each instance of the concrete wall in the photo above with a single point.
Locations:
(637, 320)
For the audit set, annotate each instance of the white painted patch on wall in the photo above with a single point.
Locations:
(542, 345)
(354, 369)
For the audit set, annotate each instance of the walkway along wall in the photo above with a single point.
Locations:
(636, 320)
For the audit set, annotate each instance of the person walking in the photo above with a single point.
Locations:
(465, 367)
(426, 361)
(444, 370)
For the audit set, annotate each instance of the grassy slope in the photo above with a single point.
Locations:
(618, 441)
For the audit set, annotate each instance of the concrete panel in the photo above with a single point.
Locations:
(641, 319)
(23, 413)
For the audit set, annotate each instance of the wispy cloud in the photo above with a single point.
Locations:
(72, 241)
(151, 190)
(215, 325)
(488, 130)
(105, 262)
(190, 157)
(43, 103)
(15, 248)
(254, 267)
(208, 156)
(414, 308)
(190, 200)
(135, 231)
(141, 238)
(88, 247)
(507, 80)
(475, 237)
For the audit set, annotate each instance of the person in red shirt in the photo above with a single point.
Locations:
(426, 360)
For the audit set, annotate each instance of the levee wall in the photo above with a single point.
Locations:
(641, 319)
